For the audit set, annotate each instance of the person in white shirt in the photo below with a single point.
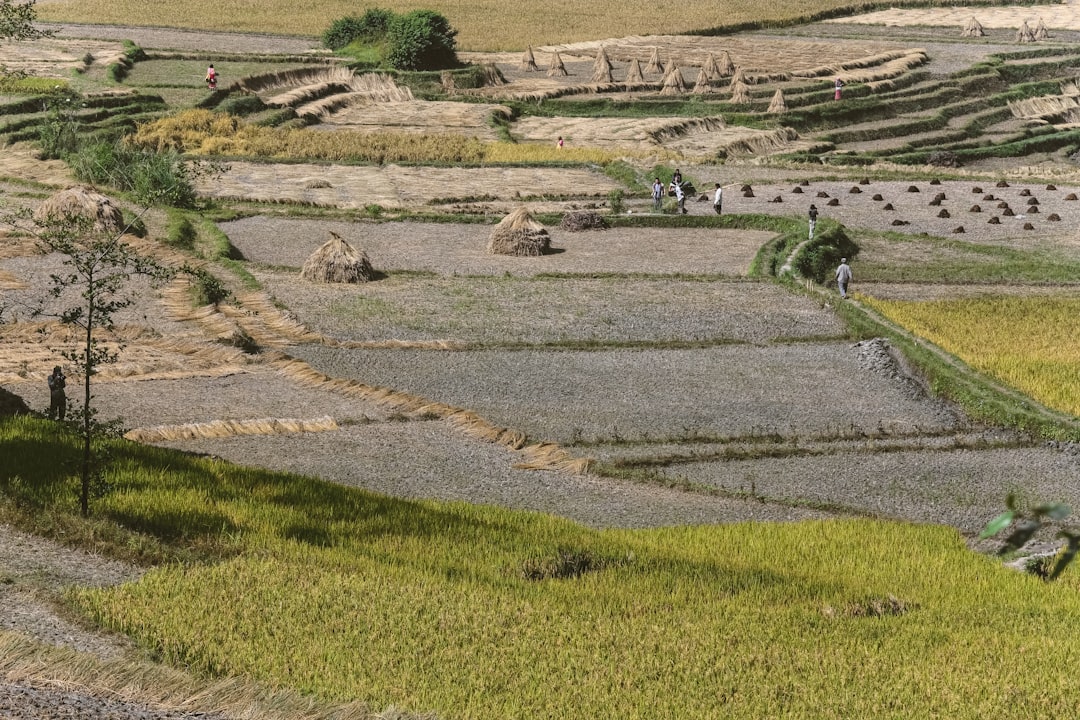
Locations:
(843, 277)
(718, 198)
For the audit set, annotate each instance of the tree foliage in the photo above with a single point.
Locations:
(17, 21)
(421, 40)
(370, 27)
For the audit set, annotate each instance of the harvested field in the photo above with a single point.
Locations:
(449, 249)
(418, 116)
(59, 57)
(393, 186)
(720, 391)
(1064, 16)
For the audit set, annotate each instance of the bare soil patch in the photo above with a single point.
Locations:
(417, 116)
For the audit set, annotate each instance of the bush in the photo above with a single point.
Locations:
(152, 176)
(421, 40)
(821, 255)
(370, 27)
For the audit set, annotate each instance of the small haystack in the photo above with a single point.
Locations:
(711, 68)
(1041, 33)
(739, 76)
(740, 93)
(81, 201)
(601, 72)
(633, 73)
(336, 261)
(703, 84)
(726, 66)
(556, 67)
(973, 29)
(778, 104)
(674, 84)
(518, 234)
(654, 65)
(1024, 34)
(528, 61)
(582, 220)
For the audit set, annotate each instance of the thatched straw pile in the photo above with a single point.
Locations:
(582, 220)
(518, 234)
(601, 72)
(1041, 33)
(528, 61)
(711, 68)
(674, 84)
(727, 67)
(81, 201)
(655, 66)
(778, 104)
(973, 29)
(740, 93)
(556, 67)
(336, 261)
(1024, 34)
(633, 73)
(704, 82)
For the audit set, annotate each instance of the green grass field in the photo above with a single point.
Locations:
(485, 613)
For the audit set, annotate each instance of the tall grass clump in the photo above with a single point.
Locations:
(1025, 342)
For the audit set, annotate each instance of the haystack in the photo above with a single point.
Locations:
(556, 67)
(1041, 33)
(973, 29)
(81, 201)
(1024, 34)
(778, 104)
(727, 67)
(674, 84)
(710, 68)
(633, 73)
(518, 234)
(336, 261)
(601, 72)
(655, 66)
(528, 61)
(704, 82)
(740, 93)
(739, 76)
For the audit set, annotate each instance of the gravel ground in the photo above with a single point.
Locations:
(42, 701)
(196, 40)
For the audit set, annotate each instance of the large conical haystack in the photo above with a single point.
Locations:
(778, 104)
(1024, 34)
(973, 29)
(710, 68)
(518, 234)
(655, 66)
(1041, 33)
(674, 84)
(704, 83)
(727, 67)
(528, 60)
(740, 93)
(336, 261)
(81, 201)
(601, 72)
(633, 73)
(739, 76)
(556, 67)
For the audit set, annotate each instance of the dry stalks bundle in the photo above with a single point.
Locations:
(973, 29)
(710, 68)
(740, 93)
(1041, 32)
(1048, 106)
(704, 83)
(601, 67)
(336, 261)
(684, 127)
(674, 84)
(633, 73)
(81, 201)
(520, 235)
(230, 428)
(528, 61)
(763, 143)
(556, 68)
(654, 65)
(739, 76)
(778, 104)
(726, 66)
(1024, 34)
(582, 220)
(549, 456)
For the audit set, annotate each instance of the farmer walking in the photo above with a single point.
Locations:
(837, 87)
(680, 198)
(813, 219)
(843, 277)
(57, 396)
(657, 194)
(718, 199)
(211, 78)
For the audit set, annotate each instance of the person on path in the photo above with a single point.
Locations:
(676, 179)
(211, 77)
(559, 143)
(843, 277)
(657, 194)
(718, 199)
(813, 219)
(837, 87)
(680, 198)
(57, 396)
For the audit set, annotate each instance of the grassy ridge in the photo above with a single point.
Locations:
(430, 606)
(483, 24)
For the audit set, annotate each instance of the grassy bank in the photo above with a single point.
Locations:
(486, 613)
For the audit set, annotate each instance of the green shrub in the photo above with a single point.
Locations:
(58, 135)
(421, 40)
(370, 27)
(153, 177)
(821, 255)
(241, 105)
(615, 201)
